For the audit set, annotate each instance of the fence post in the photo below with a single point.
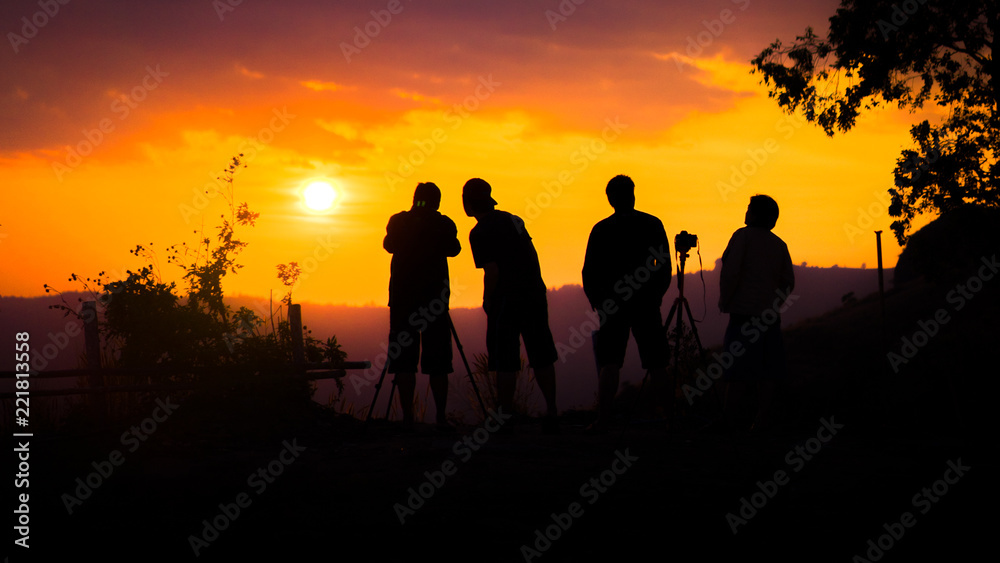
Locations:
(92, 349)
(295, 324)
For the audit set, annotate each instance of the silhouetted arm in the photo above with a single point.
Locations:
(490, 278)
(591, 272)
(391, 241)
(484, 256)
(732, 264)
(661, 246)
(451, 245)
(787, 278)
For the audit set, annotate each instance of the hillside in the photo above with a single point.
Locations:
(363, 331)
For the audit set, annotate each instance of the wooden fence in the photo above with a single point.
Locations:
(97, 375)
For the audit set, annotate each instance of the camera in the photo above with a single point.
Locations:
(685, 241)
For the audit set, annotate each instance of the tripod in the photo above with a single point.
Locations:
(679, 307)
(676, 308)
(392, 391)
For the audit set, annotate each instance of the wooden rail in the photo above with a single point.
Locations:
(96, 374)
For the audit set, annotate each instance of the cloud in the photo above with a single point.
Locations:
(249, 73)
(320, 86)
(340, 128)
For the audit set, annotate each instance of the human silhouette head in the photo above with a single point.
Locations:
(477, 198)
(621, 193)
(427, 196)
(762, 212)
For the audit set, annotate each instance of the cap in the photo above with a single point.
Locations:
(477, 196)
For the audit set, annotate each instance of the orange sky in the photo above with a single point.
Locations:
(545, 108)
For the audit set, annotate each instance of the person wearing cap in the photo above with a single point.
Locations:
(421, 240)
(626, 272)
(513, 297)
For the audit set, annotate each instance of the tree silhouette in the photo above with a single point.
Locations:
(905, 53)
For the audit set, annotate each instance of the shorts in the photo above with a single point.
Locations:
(763, 349)
(511, 318)
(646, 324)
(414, 335)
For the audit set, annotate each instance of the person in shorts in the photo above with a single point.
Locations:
(421, 240)
(514, 298)
(626, 272)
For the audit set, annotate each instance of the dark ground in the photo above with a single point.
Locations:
(337, 499)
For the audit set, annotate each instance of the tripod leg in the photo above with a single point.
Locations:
(635, 405)
(468, 370)
(378, 386)
(694, 329)
(670, 316)
(392, 392)
(701, 351)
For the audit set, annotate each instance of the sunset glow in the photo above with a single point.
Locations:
(113, 136)
(319, 196)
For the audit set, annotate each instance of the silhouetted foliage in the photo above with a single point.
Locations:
(147, 323)
(486, 382)
(951, 248)
(883, 51)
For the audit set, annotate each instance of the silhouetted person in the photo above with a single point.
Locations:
(626, 272)
(421, 240)
(756, 280)
(513, 298)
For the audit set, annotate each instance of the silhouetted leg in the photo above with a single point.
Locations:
(732, 404)
(663, 391)
(765, 396)
(506, 382)
(439, 387)
(407, 383)
(607, 388)
(546, 378)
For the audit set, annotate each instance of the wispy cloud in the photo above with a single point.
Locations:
(249, 73)
(320, 86)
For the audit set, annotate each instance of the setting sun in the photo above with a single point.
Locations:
(319, 196)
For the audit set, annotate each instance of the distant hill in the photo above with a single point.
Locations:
(362, 331)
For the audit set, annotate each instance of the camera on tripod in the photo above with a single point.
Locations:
(685, 241)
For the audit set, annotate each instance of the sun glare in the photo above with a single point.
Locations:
(319, 196)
